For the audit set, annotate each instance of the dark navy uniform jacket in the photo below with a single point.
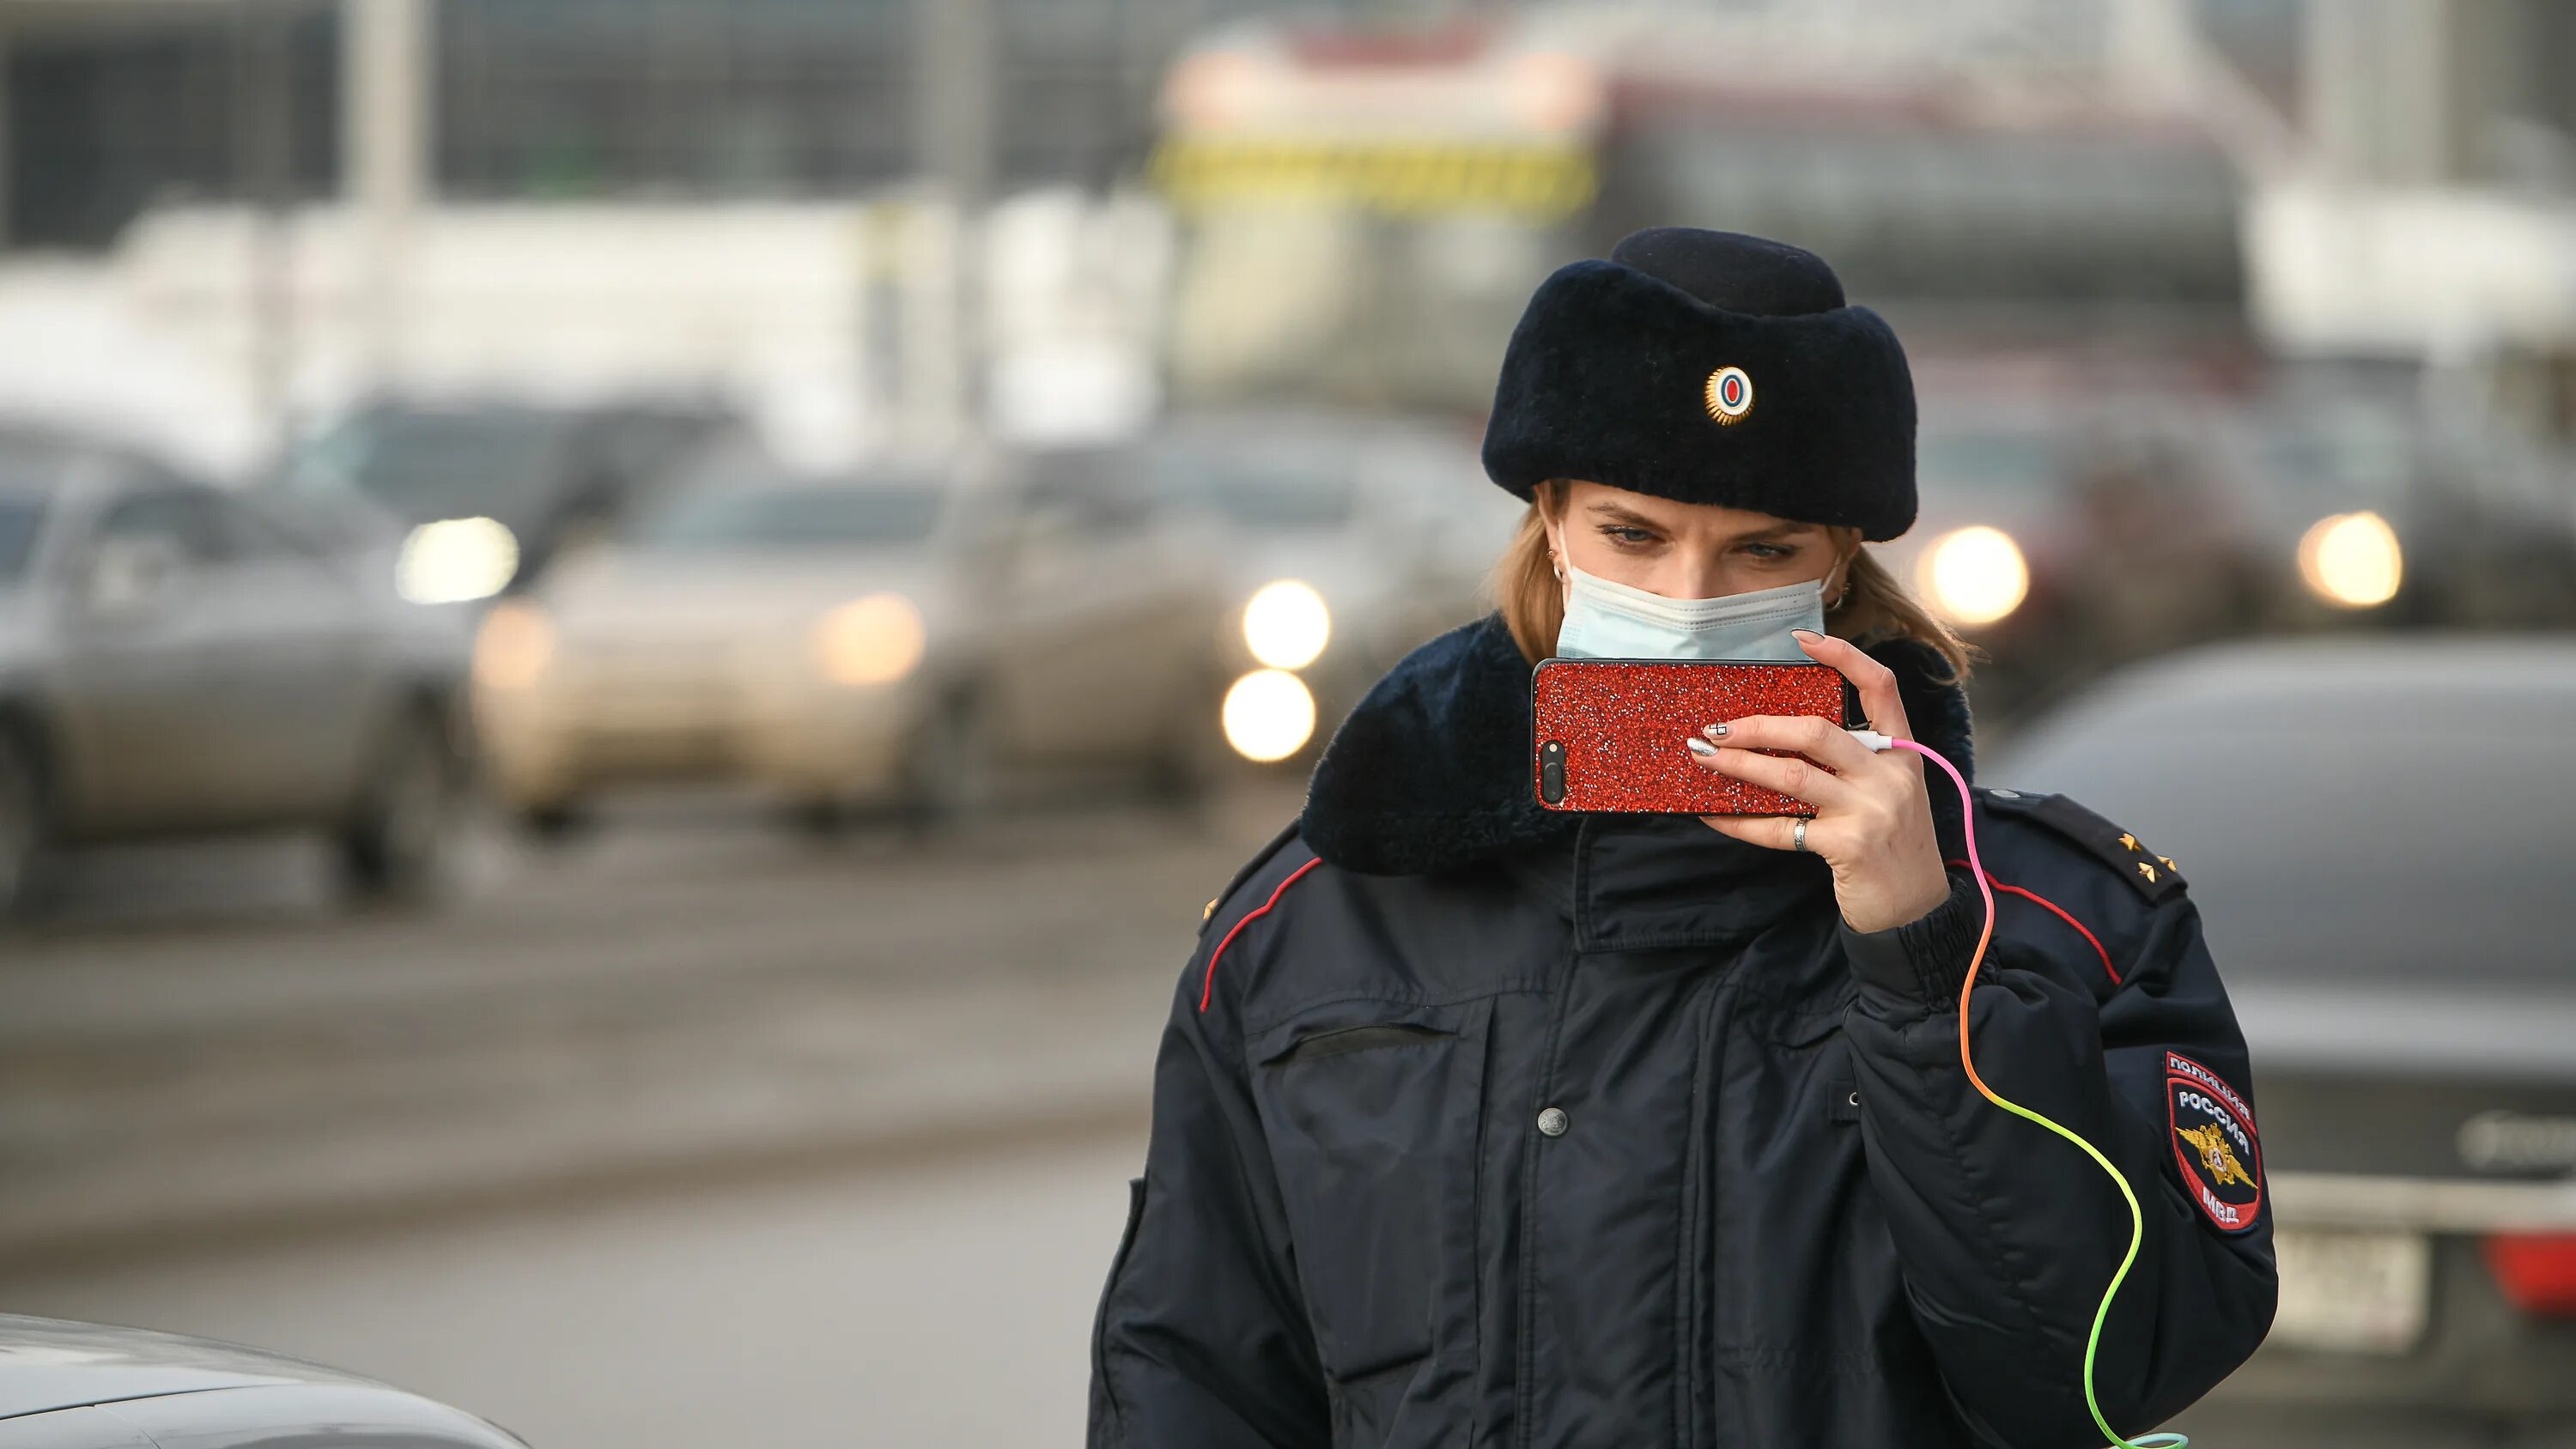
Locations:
(1506, 1127)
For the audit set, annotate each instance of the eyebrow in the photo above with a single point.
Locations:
(1616, 513)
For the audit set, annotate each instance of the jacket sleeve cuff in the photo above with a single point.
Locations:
(1924, 961)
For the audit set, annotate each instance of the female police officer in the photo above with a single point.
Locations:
(1477, 1124)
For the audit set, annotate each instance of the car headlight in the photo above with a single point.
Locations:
(513, 647)
(1268, 715)
(1286, 625)
(1975, 575)
(455, 560)
(873, 640)
(2351, 560)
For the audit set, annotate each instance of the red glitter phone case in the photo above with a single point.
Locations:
(1608, 732)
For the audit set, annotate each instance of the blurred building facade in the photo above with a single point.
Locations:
(2436, 205)
(111, 107)
(2305, 176)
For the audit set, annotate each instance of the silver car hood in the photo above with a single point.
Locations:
(636, 593)
(48, 1364)
(2436, 1027)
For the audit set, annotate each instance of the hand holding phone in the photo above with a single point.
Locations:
(1608, 733)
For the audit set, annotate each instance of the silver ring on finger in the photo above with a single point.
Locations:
(1798, 836)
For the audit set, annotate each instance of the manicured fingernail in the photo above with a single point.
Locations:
(1715, 731)
(1806, 633)
(1699, 746)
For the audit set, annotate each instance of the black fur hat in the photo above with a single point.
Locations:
(1710, 367)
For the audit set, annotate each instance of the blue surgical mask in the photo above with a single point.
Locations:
(1609, 620)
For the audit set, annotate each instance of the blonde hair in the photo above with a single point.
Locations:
(1874, 605)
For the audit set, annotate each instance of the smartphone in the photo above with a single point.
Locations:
(1608, 732)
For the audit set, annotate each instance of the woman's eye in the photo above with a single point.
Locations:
(1776, 550)
(1618, 533)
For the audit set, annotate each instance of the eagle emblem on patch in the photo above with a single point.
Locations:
(1729, 395)
(2214, 1143)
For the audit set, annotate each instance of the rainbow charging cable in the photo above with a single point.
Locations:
(2137, 1217)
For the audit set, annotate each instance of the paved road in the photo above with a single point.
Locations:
(203, 1042)
(941, 1303)
(693, 1133)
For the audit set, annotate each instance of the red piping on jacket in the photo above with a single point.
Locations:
(1248, 918)
(1208, 989)
(2057, 911)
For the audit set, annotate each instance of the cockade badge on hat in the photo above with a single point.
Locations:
(1729, 395)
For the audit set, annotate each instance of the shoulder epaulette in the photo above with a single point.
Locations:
(1260, 858)
(2153, 876)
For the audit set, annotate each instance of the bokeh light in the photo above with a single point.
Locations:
(1286, 624)
(1269, 715)
(2352, 560)
(873, 640)
(514, 646)
(1975, 575)
(456, 560)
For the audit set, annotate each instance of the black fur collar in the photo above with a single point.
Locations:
(1431, 770)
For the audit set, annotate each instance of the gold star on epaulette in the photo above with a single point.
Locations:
(1209, 909)
(2154, 877)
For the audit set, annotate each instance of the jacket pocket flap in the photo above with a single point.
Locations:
(1348, 1026)
(1357, 1039)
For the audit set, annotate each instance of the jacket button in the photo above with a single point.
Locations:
(1553, 1122)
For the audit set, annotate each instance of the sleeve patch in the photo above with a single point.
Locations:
(2214, 1144)
(2153, 876)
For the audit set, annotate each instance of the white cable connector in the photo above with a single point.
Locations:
(1872, 739)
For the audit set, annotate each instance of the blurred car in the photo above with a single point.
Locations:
(1335, 543)
(479, 497)
(910, 636)
(2069, 535)
(178, 660)
(2377, 832)
(70, 1385)
(2373, 511)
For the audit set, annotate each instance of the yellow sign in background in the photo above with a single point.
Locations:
(1543, 183)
